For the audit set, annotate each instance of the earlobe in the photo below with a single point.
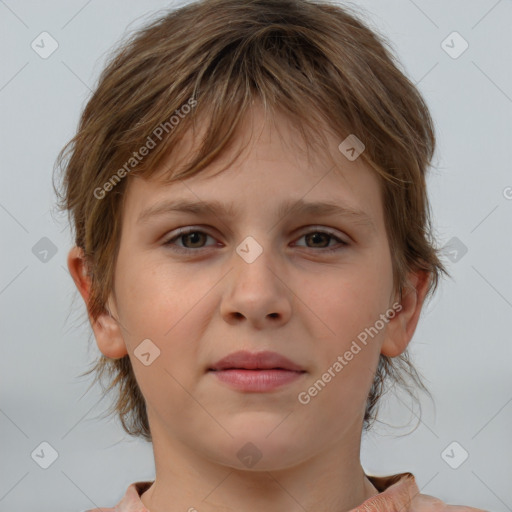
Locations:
(402, 326)
(109, 337)
(105, 327)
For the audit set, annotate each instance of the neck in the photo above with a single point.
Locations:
(330, 481)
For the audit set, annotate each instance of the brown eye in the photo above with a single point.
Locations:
(318, 237)
(191, 239)
(321, 240)
(194, 237)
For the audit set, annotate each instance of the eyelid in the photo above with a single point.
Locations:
(305, 229)
(313, 228)
(169, 241)
(185, 230)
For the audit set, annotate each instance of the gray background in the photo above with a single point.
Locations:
(462, 345)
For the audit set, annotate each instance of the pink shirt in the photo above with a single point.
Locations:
(396, 492)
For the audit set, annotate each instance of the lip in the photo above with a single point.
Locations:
(266, 360)
(256, 372)
(256, 381)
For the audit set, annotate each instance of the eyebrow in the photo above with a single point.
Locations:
(289, 207)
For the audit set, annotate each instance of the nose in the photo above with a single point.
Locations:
(256, 292)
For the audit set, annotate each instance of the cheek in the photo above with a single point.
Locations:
(349, 303)
(353, 299)
(346, 354)
(165, 305)
(153, 295)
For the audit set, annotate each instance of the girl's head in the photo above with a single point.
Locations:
(256, 106)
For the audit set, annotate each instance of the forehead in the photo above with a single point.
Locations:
(278, 164)
(258, 129)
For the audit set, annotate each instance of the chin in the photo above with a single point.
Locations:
(260, 447)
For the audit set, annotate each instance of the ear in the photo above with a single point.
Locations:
(106, 329)
(401, 327)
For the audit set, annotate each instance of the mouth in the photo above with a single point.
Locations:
(253, 369)
(256, 380)
(259, 372)
(259, 361)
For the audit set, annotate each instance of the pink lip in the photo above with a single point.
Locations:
(256, 380)
(257, 372)
(256, 361)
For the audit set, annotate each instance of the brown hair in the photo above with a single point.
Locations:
(316, 62)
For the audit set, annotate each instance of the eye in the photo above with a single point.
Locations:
(318, 236)
(193, 239)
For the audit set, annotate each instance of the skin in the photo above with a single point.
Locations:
(294, 299)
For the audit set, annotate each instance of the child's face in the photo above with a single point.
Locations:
(206, 301)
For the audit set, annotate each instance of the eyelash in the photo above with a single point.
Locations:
(187, 231)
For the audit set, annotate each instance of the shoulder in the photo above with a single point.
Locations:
(426, 503)
(131, 501)
(102, 509)
(401, 491)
